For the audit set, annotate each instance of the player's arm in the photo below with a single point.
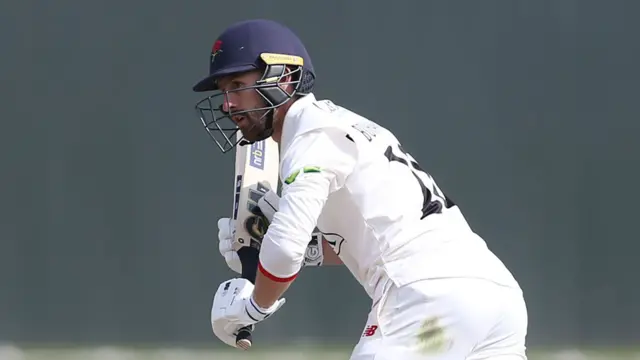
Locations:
(315, 165)
(319, 251)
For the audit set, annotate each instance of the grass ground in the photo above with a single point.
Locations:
(301, 353)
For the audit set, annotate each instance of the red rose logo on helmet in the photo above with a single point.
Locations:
(216, 49)
(216, 46)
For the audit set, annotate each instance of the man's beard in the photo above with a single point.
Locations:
(257, 125)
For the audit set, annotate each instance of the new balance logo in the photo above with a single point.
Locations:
(370, 330)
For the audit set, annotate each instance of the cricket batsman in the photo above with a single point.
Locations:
(437, 291)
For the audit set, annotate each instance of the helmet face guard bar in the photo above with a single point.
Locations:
(219, 124)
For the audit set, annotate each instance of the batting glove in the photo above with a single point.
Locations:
(225, 244)
(233, 308)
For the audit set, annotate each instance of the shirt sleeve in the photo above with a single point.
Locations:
(315, 165)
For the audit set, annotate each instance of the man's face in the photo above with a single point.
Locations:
(239, 102)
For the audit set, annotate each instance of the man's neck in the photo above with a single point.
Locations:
(279, 117)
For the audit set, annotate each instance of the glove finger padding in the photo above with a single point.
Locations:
(225, 244)
(268, 204)
(233, 261)
(225, 228)
(226, 332)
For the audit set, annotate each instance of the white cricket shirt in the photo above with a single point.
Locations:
(383, 215)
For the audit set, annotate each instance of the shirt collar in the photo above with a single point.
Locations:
(291, 125)
(298, 106)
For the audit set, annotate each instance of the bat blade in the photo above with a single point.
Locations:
(256, 165)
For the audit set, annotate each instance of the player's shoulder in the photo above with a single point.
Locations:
(316, 131)
(309, 114)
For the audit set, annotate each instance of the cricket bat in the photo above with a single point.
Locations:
(256, 170)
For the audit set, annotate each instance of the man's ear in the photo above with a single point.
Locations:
(286, 81)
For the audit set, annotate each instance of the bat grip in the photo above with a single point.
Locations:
(249, 257)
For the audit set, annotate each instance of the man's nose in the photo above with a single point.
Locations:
(228, 103)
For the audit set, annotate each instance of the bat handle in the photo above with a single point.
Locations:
(243, 339)
(249, 257)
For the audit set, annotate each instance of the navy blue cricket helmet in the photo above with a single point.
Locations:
(250, 45)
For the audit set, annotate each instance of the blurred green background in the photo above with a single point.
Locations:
(526, 113)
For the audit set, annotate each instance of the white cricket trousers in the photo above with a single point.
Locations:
(446, 319)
